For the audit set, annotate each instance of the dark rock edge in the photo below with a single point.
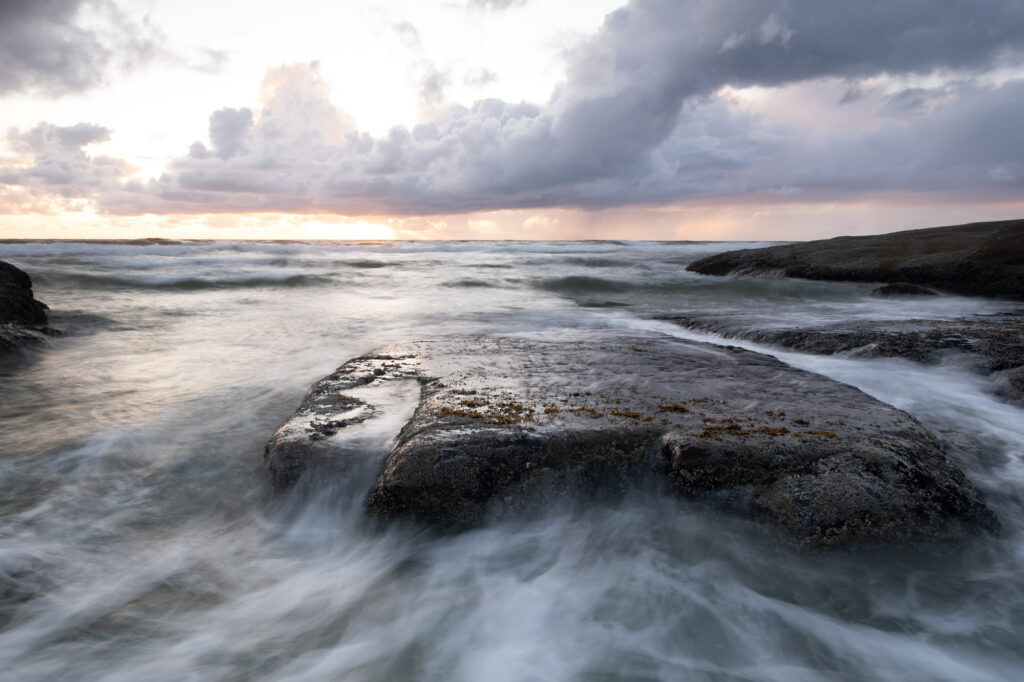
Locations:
(23, 319)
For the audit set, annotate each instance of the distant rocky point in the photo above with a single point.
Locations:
(980, 259)
(507, 426)
(22, 317)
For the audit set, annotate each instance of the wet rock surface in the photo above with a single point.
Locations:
(990, 344)
(902, 289)
(508, 426)
(980, 259)
(22, 317)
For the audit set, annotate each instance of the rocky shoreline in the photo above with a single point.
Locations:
(499, 427)
(23, 319)
(980, 259)
(506, 426)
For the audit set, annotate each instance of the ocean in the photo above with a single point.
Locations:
(140, 540)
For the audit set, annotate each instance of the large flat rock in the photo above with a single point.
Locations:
(506, 426)
(980, 259)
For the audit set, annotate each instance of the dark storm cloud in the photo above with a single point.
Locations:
(961, 140)
(641, 117)
(40, 46)
(626, 88)
(982, 129)
(43, 47)
(61, 47)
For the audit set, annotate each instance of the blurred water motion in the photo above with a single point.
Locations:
(139, 540)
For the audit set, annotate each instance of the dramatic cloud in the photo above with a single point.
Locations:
(671, 99)
(949, 140)
(62, 46)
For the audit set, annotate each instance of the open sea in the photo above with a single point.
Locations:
(139, 538)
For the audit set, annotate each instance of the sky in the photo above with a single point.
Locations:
(508, 119)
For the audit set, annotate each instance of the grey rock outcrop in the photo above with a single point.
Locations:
(505, 426)
(980, 259)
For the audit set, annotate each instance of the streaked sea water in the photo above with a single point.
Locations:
(139, 539)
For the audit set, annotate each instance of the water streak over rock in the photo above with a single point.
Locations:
(991, 344)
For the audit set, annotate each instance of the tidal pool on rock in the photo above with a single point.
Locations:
(139, 538)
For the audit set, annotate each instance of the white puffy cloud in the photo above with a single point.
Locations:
(52, 168)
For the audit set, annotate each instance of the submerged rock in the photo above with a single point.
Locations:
(22, 317)
(991, 344)
(505, 426)
(902, 289)
(981, 259)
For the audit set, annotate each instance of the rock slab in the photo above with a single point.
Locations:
(980, 259)
(506, 426)
(992, 344)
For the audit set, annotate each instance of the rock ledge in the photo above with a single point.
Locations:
(980, 259)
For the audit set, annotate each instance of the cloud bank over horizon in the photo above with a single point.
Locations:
(669, 101)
